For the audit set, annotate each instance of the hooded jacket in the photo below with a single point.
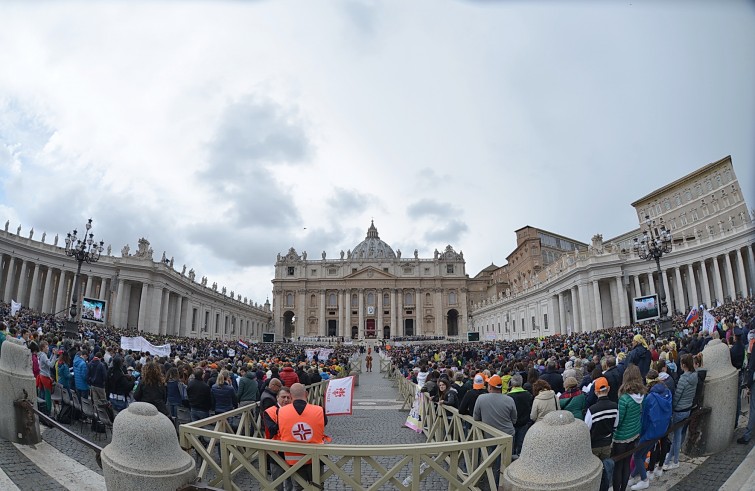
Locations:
(640, 356)
(288, 376)
(656, 412)
(629, 422)
(248, 388)
(544, 403)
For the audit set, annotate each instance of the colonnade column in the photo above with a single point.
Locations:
(751, 260)
(118, 310)
(164, 306)
(693, 298)
(323, 328)
(301, 310)
(22, 283)
(584, 308)
(62, 287)
(9, 280)
(177, 321)
(143, 301)
(681, 304)
(439, 331)
(730, 277)
(88, 288)
(34, 291)
(637, 287)
(379, 321)
(47, 293)
(400, 311)
(651, 283)
(155, 310)
(561, 314)
(361, 314)
(394, 314)
(622, 298)
(419, 329)
(598, 306)
(742, 275)
(575, 305)
(717, 282)
(344, 307)
(705, 287)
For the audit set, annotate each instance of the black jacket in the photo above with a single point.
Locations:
(466, 406)
(153, 394)
(523, 401)
(600, 417)
(737, 355)
(199, 395)
(554, 379)
(613, 376)
(641, 357)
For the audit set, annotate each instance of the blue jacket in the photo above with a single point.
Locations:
(64, 376)
(640, 356)
(656, 412)
(80, 373)
(224, 397)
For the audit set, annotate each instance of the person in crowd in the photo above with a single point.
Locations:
(523, 402)
(447, 394)
(223, 393)
(497, 410)
(682, 406)
(532, 376)
(460, 384)
(152, 388)
(545, 401)
(749, 384)
(628, 424)
(555, 380)
(573, 399)
(199, 395)
(466, 406)
(291, 418)
(601, 419)
(176, 391)
(81, 374)
(44, 379)
(661, 367)
(248, 388)
(613, 375)
(655, 420)
(63, 370)
(270, 424)
(269, 395)
(288, 375)
(640, 355)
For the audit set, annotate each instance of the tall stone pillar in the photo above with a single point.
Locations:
(88, 288)
(61, 292)
(440, 327)
(9, 280)
(143, 307)
(693, 298)
(584, 308)
(343, 308)
(179, 318)
(361, 313)
(751, 261)
(598, 305)
(21, 293)
(561, 314)
(165, 309)
(741, 274)
(730, 277)
(705, 286)
(119, 307)
(379, 309)
(681, 303)
(400, 311)
(637, 287)
(322, 328)
(575, 306)
(36, 271)
(47, 292)
(156, 309)
(718, 285)
(420, 327)
(651, 283)
(463, 326)
(622, 301)
(394, 315)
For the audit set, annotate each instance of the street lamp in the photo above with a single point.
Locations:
(655, 242)
(83, 249)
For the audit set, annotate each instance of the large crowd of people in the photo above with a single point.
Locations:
(630, 384)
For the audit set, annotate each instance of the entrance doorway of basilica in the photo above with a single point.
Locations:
(408, 327)
(354, 332)
(369, 331)
(288, 324)
(332, 327)
(453, 322)
(387, 332)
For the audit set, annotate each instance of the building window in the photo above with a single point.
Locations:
(428, 299)
(385, 270)
(332, 300)
(408, 270)
(332, 271)
(545, 321)
(386, 299)
(370, 299)
(206, 320)
(513, 325)
(427, 270)
(314, 272)
(193, 319)
(290, 300)
(449, 268)
(408, 299)
(290, 271)
(452, 298)
(312, 301)
(217, 322)
(354, 301)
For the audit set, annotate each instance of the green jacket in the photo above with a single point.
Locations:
(248, 388)
(629, 422)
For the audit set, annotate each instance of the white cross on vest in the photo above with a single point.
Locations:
(302, 431)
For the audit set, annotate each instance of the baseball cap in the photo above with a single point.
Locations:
(601, 384)
(479, 382)
(495, 381)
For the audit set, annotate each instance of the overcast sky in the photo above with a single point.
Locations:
(226, 132)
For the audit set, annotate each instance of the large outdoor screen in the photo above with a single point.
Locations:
(646, 308)
(93, 310)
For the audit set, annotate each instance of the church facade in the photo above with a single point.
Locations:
(370, 292)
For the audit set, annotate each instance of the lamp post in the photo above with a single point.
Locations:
(83, 249)
(655, 242)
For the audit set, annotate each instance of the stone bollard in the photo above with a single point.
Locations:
(16, 383)
(720, 394)
(556, 454)
(355, 374)
(144, 453)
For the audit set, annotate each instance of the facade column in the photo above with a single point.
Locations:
(598, 305)
(717, 282)
(118, 310)
(463, 324)
(36, 271)
(637, 287)
(622, 301)
(751, 261)
(575, 306)
(343, 308)
(88, 288)
(22, 284)
(361, 314)
(9, 279)
(584, 307)
(705, 286)
(669, 301)
(47, 292)
(440, 328)
(693, 298)
(394, 312)
(177, 324)
(729, 278)
(143, 302)
(156, 309)
(561, 314)
(419, 329)
(681, 304)
(379, 308)
(323, 328)
(651, 283)
(60, 300)
(301, 310)
(400, 311)
(164, 309)
(742, 275)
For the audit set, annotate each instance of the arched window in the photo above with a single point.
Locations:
(289, 299)
(332, 300)
(408, 299)
(370, 298)
(354, 301)
(312, 301)
(428, 299)
(452, 298)
(386, 300)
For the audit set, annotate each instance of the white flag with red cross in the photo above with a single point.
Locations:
(339, 396)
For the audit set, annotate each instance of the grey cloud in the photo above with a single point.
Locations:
(430, 208)
(350, 201)
(363, 16)
(448, 233)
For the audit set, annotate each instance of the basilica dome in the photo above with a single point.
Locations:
(372, 247)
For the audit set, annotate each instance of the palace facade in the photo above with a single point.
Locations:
(137, 290)
(588, 288)
(370, 291)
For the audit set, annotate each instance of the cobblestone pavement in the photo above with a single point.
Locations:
(24, 474)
